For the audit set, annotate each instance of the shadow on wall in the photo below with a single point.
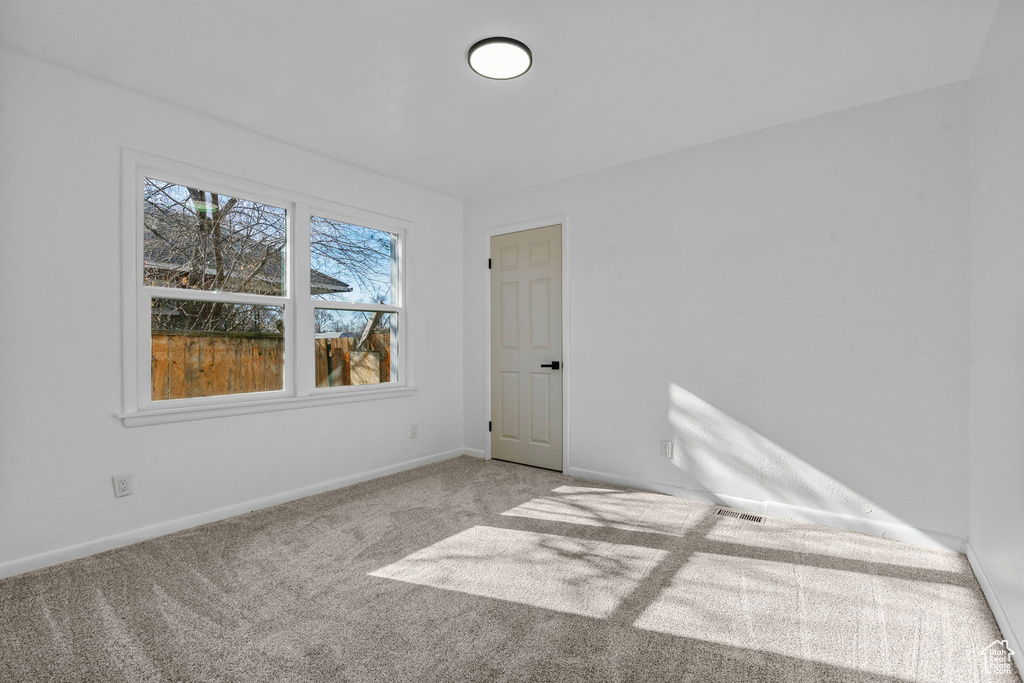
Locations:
(726, 460)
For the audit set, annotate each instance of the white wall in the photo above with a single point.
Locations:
(997, 317)
(789, 306)
(60, 370)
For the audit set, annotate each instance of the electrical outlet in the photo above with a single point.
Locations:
(666, 449)
(122, 485)
(414, 431)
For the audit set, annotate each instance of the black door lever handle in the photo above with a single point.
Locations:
(554, 365)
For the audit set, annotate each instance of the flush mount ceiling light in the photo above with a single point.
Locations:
(500, 58)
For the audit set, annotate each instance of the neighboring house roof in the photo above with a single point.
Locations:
(325, 284)
(164, 230)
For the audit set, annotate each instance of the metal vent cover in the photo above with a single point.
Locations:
(729, 512)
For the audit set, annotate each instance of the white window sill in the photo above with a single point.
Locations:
(141, 418)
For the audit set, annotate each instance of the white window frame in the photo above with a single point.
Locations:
(300, 388)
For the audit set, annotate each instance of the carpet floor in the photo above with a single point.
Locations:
(473, 570)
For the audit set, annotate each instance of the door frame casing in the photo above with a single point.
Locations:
(567, 366)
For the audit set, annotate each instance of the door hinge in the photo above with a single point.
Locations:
(488, 264)
(489, 425)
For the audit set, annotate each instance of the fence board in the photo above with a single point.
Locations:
(248, 382)
(225, 357)
(320, 361)
(175, 367)
(275, 367)
(207, 359)
(234, 369)
(161, 372)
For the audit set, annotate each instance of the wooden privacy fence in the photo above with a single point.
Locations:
(191, 364)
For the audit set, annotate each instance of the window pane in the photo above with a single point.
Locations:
(351, 263)
(208, 348)
(195, 239)
(354, 347)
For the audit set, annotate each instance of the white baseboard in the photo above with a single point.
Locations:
(78, 550)
(875, 528)
(897, 532)
(997, 608)
(677, 491)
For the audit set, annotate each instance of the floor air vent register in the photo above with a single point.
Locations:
(729, 512)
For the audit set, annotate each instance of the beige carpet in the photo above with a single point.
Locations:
(471, 570)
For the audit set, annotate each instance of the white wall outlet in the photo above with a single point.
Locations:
(122, 485)
(666, 449)
(414, 431)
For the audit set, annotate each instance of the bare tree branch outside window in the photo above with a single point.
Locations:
(362, 257)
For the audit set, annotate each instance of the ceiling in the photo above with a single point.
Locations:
(384, 84)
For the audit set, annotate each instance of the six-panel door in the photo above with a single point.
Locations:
(526, 334)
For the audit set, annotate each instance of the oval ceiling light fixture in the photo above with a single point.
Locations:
(500, 58)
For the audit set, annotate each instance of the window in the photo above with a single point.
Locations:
(242, 298)
(353, 345)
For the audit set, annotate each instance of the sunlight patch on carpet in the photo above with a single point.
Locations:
(572, 575)
(641, 511)
(850, 619)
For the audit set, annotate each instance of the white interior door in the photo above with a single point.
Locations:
(526, 347)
